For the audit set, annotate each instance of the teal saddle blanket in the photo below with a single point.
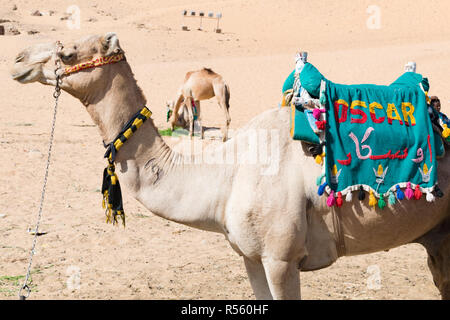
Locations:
(377, 138)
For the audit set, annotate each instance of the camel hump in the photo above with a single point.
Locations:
(200, 73)
(209, 70)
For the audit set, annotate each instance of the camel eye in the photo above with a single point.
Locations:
(94, 50)
(74, 47)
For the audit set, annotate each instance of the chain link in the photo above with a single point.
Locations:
(25, 287)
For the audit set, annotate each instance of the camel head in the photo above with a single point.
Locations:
(38, 62)
(183, 116)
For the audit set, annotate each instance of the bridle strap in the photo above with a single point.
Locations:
(100, 61)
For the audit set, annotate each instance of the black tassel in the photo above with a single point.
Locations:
(112, 195)
(317, 149)
(437, 192)
(362, 194)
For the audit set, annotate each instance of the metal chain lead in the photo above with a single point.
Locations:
(56, 95)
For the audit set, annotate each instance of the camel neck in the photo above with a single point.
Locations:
(112, 103)
(152, 172)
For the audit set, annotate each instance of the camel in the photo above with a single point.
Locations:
(182, 120)
(201, 85)
(273, 218)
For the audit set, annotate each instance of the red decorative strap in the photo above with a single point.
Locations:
(101, 61)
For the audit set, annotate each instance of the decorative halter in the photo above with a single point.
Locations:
(112, 194)
(101, 61)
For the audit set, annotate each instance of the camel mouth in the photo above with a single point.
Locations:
(22, 76)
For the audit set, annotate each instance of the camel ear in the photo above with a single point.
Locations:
(110, 43)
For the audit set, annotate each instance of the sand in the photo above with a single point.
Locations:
(81, 257)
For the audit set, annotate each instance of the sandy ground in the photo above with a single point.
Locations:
(152, 258)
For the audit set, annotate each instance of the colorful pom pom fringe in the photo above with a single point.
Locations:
(362, 194)
(317, 113)
(331, 201)
(417, 193)
(391, 198)
(349, 197)
(437, 192)
(319, 158)
(400, 194)
(319, 179)
(408, 192)
(381, 203)
(321, 189)
(339, 200)
(372, 199)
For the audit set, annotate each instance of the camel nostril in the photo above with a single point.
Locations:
(109, 37)
(20, 58)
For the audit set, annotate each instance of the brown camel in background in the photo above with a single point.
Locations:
(201, 85)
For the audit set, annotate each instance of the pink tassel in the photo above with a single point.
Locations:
(317, 112)
(330, 200)
(417, 193)
(339, 200)
(408, 192)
